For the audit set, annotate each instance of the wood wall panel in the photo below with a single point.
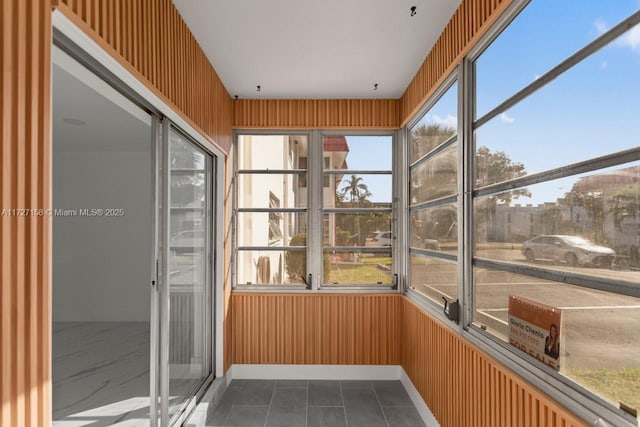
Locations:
(463, 386)
(316, 329)
(154, 43)
(468, 24)
(25, 237)
(317, 113)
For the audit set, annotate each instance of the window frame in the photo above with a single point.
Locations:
(567, 392)
(314, 185)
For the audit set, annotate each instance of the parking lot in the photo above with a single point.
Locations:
(600, 330)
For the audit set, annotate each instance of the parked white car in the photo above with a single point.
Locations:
(378, 238)
(573, 250)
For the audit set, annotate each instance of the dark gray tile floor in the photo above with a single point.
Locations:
(315, 403)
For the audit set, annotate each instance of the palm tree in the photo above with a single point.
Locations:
(356, 189)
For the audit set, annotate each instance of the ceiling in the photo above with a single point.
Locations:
(316, 49)
(90, 116)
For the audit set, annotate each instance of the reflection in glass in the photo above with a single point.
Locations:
(281, 152)
(537, 134)
(601, 207)
(273, 267)
(435, 127)
(515, 58)
(434, 278)
(436, 177)
(369, 229)
(265, 190)
(598, 344)
(358, 191)
(189, 271)
(269, 228)
(435, 228)
(357, 268)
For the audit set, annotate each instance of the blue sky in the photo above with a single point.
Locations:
(591, 110)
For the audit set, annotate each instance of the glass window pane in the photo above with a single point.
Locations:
(599, 334)
(357, 268)
(261, 152)
(434, 278)
(526, 49)
(435, 127)
(436, 177)
(588, 223)
(270, 228)
(370, 229)
(272, 267)
(589, 111)
(358, 152)
(265, 190)
(358, 191)
(435, 228)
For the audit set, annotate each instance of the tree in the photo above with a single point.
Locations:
(492, 168)
(425, 138)
(593, 204)
(357, 191)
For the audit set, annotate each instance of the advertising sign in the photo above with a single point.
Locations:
(535, 329)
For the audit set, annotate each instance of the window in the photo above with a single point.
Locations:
(357, 210)
(271, 210)
(562, 153)
(535, 205)
(433, 199)
(314, 210)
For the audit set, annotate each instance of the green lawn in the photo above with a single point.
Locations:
(619, 386)
(365, 273)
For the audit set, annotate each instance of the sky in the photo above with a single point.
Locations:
(591, 110)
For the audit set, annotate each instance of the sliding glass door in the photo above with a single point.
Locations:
(184, 294)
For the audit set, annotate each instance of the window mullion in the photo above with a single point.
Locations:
(315, 193)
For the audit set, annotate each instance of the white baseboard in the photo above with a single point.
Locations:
(315, 372)
(335, 372)
(417, 400)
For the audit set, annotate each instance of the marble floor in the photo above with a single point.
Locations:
(301, 403)
(101, 375)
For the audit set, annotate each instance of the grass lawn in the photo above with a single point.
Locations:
(619, 386)
(365, 273)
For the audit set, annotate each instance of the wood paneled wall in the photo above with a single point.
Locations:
(317, 113)
(468, 24)
(152, 40)
(316, 328)
(463, 386)
(25, 236)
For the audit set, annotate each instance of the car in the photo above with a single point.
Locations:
(378, 238)
(573, 250)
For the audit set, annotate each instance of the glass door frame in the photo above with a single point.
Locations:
(74, 41)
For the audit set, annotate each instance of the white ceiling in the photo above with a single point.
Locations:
(316, 48)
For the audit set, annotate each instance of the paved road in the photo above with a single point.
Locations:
(600, 330)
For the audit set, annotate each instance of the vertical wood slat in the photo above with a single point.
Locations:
(25, 347)
(468, 24)
(152, 39)
(328, 113)
(463, 386)
(315, 329)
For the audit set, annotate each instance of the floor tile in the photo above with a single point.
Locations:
(345, 384)
(288, 408)
(325, 393)
(256, 392)
(392, 393)
(247, 416)
(291, 384)
(362, 408)
(220, 414)
(326, 416)
(403, 417)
